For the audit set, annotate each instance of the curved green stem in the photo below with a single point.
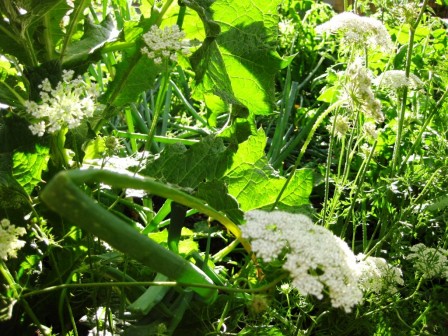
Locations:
(64, 197)
(158, 283)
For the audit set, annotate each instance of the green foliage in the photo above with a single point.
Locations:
(150, 241)
(28, 167)
(204, 161)
(237, 61)
(94, 38)
(135, 74)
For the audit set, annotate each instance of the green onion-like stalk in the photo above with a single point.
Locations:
(63, 196)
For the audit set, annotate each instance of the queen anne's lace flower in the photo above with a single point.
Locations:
(9, 239)
(358, 31)
(430, 262)
(370, 130)
(286, 31)
(378, 276)
(64, 106)
(341, 125)
(316, 259)
(358, 90)
(165, 43)
(396, 79)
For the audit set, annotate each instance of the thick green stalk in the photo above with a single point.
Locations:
(64, 197)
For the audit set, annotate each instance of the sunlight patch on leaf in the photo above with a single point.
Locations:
(206, 160)
(255, 184)
(237, 60)
(28, 167)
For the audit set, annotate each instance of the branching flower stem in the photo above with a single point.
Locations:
(401, 115)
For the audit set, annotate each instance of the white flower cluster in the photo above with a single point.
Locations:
(430, 262)
(341, 125)
(370, 130)
(396, 79)
(317, 260)
(378, 276)
(358, 31)
(9, 242)
(64, 106)
(286, 30)
(358, 89)
(165, 43)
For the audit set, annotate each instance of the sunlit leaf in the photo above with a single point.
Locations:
(28, 167)
(237, 60)
(204, 161)
(255, 184)
(216, 195)
(95, 36)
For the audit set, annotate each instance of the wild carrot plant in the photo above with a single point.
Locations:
(227, 167)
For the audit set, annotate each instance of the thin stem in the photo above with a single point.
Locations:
(159, 104)
(328, 168)
(416, 143)
(264, 288)
(401, 115)
(304, 147)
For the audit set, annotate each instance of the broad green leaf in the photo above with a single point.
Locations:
(40, 18)
(28, 167)
(255, 184)
(237, 61)
(75, 16)
(50, 28)
(12, 194)
(204, 161)
(328, 95)
(10, 44)
(216, 195)
(11, 93)
(135, 74)
(94, 149)
(95, 36)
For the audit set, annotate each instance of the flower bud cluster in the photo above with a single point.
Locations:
(9, 239)
(359, 92)
(64, 106)
(317, 260)
(286, 30)
(377, 276)
(358, 31)
(430, 262)
(165, 43)
(341, 125)
(396, 79)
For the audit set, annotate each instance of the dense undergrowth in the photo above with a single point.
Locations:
(227, 167)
